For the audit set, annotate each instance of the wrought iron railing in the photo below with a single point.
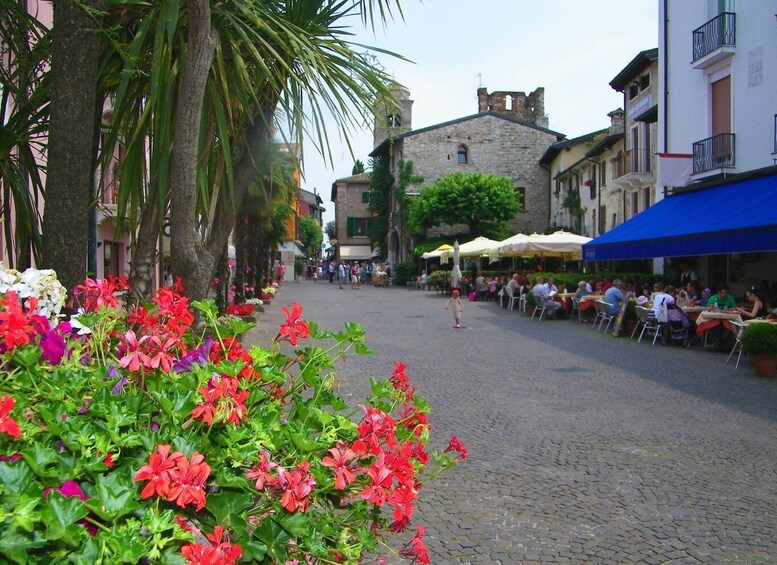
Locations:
(716, 152)
(718, 32)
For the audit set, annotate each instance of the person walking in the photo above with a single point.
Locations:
(341, 273)
(331, 269)
(458, 308)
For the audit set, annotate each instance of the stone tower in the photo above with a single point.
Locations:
(517, 105)
(393, 119)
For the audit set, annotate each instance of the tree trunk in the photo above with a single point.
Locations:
(144, 256)
(190, 260)
(71, 145)
(245, 174)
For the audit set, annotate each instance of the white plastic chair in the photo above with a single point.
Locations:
(740, 329)
(604, 307)
(650, 324)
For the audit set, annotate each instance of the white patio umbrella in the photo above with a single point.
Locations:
(562, 244)
(510, 247)
(456, 271)
(437, 252)
(478, 247)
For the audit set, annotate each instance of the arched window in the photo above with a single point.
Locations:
(393, 121)
(462, 155)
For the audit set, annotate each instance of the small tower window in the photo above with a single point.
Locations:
(462, 155)
(393, 121)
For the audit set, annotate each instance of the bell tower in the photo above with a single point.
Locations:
(393, 117)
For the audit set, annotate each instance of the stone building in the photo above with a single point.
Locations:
(351, 196)
(506, 137)
(583, 197)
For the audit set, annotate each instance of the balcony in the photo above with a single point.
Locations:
(633, 169)
(715, 40)
(714, 153)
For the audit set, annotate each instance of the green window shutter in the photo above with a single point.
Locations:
(366, 197)
(349, 226)
(369, 227)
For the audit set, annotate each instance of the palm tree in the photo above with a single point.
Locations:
(24, 120)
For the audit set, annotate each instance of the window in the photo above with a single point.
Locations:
(366, 197)
(646, 198)
(634, 203)
(592, 186)
(357, 227)
(644, 82)
(603, 173)
(520, 194)
(393, 120)
(602, 219)
(633, 90)
(110, 258)
(775, 135)
(462, 155)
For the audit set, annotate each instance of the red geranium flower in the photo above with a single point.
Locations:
(157, 472)
(293, 328)
(456, 445)
(261, 472)
(188, 481)
(7, 424)
(218, 553)
(341, 464)
(417, 549)
(17, 327)
(296, 485)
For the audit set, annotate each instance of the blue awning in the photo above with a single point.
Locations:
(735, 217)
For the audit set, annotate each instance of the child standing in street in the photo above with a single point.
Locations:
(458, 308)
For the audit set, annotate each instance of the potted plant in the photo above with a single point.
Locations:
(630, 319)
(760, 341)
(531, 303)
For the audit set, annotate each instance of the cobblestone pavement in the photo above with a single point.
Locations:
(583, 448)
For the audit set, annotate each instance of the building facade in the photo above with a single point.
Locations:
(583, 197)
(351, 196)
(506, 137)
(717, 148)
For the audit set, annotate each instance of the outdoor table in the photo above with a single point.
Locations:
(760, 321)
(712, 318)
(589, 300)
(693, 311)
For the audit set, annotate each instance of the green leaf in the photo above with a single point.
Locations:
(24, 515)
(114, 496)
(18, 479)
(15, 545)
(39, 457)
(227, 506)
(60, 515)
(90, 552)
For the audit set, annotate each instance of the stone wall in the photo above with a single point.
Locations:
(349, 203)
(528, 108)
(495, 146)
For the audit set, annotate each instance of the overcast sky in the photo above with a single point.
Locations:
(572, 48)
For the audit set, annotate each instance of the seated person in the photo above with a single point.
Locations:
(759, 308)
(542, 297)
(722, 300)
(582, 290)
(613, 296)
(705, 296)
(662, 298)
(688, 296)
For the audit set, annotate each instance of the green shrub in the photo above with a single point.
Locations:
(760, 338)
(403, 272)
(439, 279)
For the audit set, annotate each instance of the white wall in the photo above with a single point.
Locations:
(754, 103)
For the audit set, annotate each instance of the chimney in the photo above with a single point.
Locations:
(616, 121)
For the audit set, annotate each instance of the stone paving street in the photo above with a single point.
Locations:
(583, 448)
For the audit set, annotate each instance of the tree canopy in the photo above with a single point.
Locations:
(482, 202)
(310, 235)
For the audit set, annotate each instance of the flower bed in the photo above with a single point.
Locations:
(126, 436)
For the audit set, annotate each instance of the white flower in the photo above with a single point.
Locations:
(75, 322)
